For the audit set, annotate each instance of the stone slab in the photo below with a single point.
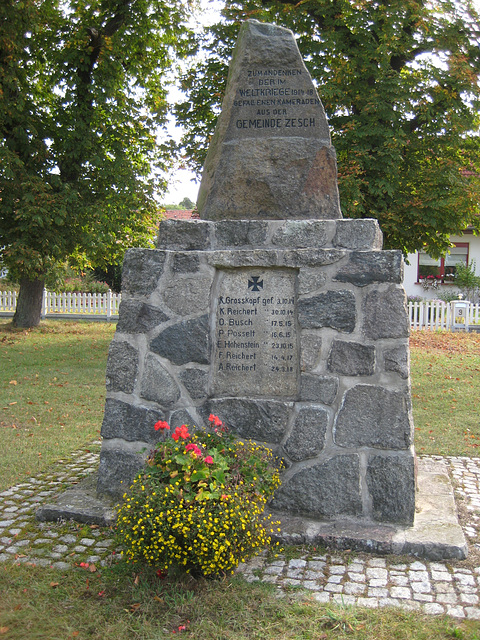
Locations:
(436, 533)
(79, 503)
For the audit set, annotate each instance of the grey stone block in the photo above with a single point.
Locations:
(335, 309)
(310, 346)
(122, 367)
(158, 385)
(371, 267)
(362, 235)
(397, 360)
(301, 234)
(328, 489)
(391, 483)
(142, 269)
(138, 317)
(118, 468)
(185, 262)
(309, 280)
(261, 420)
(372, 416)
(181, 417)
(240, 233)
(184, 235)
(307, 439)
(130, 422)
(351, 358)
(385, 314)
(195, 382)
(318, 388)
(187, 294)
(187, 341)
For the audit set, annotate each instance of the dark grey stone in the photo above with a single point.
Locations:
(181, 417)
(131, 423)
(311, 345)
(307, 439)
(158, 385)
(372, 267)
(138, 317)
(240, 233)
(187, 341)
(351, 358)
(195, 382)
(324, 490)
(372, 416)
(269, 166)
(391, 483)
(301, 234)
(261, 420)
(385, 314)
(294, 258)
(358, 234)
(183, 235)
(122, 367)
(335, 309)
(318, 388)
(142, 269)
(397, 360)
(117, 471)
(185, 262)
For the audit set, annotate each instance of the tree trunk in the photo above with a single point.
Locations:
(29, 304)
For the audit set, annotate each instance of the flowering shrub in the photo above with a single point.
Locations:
(199, 502)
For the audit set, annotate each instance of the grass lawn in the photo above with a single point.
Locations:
(52, 393)
(445, 370)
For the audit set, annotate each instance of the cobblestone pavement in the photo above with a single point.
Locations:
(348, 578)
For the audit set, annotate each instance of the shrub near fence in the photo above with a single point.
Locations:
(69, 304)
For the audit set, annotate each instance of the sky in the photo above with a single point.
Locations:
(182, 182)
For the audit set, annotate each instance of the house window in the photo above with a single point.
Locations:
(431, 270)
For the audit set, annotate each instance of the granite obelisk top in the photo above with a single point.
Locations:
(271, 156)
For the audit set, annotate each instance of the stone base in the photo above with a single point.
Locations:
(435, 535)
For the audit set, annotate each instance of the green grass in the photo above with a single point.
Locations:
(445, 370)
(40, 604)
(52, 393)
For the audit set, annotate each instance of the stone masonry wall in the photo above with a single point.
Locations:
(316, 361)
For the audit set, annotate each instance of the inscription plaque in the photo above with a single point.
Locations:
(255, 345)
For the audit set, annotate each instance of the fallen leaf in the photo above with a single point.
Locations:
(158, 599)
(137, 579)
(54, 584)
(135, 607)
(3, 629)
(92, 568)
(13, 382)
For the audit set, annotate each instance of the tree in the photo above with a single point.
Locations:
(186, 203)
(467, 280)
(82, 94)
(399, 82)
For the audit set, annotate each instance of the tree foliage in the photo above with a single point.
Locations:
(399, 82)
(82, 93)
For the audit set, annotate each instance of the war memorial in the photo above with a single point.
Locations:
(285, 320)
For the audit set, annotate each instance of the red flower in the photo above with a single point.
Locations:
(215, 419)
(209, 460)
(181, 432)
(161, 425)
(194, 448)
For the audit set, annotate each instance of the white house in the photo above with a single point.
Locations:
(429, 278)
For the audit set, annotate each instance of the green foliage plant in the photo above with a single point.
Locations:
(199, 503)
(467, 280)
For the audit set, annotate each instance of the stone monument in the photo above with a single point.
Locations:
(271, 311)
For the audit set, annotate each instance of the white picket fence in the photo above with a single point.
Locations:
(69, 304)
(451, 316)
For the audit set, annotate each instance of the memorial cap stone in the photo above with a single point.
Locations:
(271, 155)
